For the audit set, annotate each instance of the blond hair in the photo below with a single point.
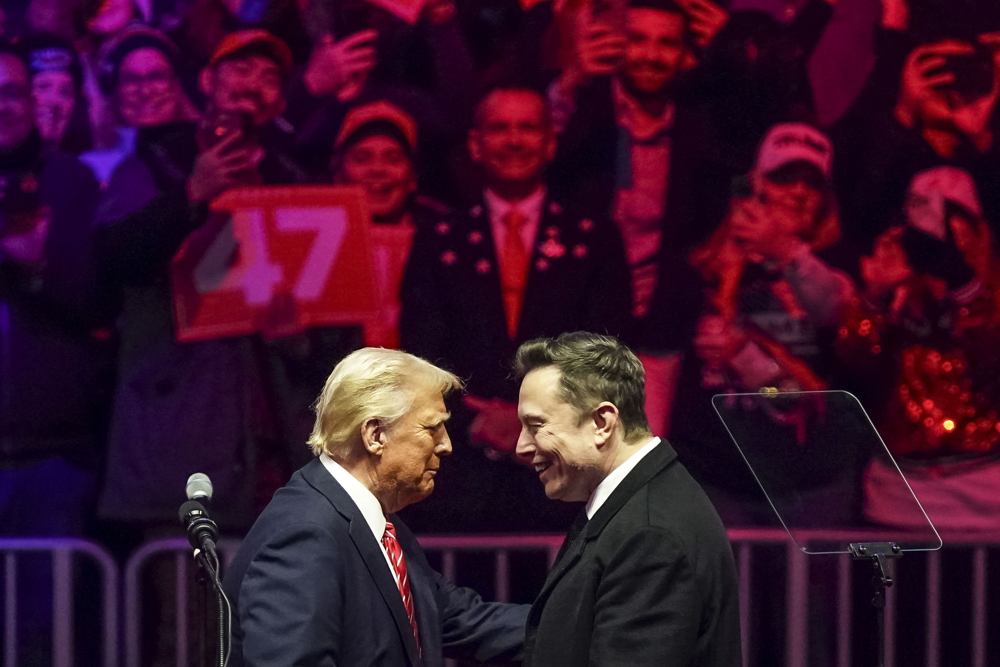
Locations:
(371, 383)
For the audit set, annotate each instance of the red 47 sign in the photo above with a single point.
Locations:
(276, 261)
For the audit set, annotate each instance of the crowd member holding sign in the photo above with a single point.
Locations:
(376, 149)
(209, 405)
(203, 405)
(517, 265)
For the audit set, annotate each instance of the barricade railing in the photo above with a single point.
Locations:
(62, 551)
(183, 557)
(749, 546)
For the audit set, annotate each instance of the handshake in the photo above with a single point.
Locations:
(330, 575)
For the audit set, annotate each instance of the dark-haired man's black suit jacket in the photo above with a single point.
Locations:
(310, 586)
(650, 580)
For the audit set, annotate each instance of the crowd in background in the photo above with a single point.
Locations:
(762, 193)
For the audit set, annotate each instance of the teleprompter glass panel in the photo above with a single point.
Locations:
(805, 450)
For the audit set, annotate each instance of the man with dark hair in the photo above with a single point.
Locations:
(646, 575)
(173, 396)
(515, 266)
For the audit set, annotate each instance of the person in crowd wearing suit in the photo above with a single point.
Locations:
(646, 575)
(329, 575)
(517, 265)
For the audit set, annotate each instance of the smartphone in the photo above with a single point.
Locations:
(222, 123)
(351, 17)
(973, 73)
(19, 203)
(610, 13)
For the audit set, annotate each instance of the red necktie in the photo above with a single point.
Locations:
(513, 269)
(399, 566)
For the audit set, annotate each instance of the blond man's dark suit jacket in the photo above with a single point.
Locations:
(650, 580)
(310, 587)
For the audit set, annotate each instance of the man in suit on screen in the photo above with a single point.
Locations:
(646, 575)
(329, 575)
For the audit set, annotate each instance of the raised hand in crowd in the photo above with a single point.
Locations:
(887, 268)
(972, 116)
(27, 247)
(112, 16)
(920, 93)
(496, 424)
(600, 49)
(228, 164)
(439, 11)
(716, 341)
(705, 20)
(765, 232)
(341, 68)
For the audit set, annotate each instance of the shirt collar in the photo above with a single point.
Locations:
(611, 482)
(640, 125)
(366, 501)
(530, 207)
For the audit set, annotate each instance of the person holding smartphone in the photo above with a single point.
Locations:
(186, 165)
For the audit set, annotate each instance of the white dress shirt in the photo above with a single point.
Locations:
(366, 501)
(530, 207)
(611, 482)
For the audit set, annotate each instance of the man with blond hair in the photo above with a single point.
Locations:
(328, 575)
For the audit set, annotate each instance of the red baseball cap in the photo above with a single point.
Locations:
(240, 40)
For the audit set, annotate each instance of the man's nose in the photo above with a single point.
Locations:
(525, 446)
(444, 447)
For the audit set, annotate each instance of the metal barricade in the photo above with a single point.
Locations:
(183, 560)
(745, 543)
(63, 551)
(797, 593)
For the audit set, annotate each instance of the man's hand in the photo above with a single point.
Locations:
(765, 232)
(341, 68)
(222, 167)
(973, 118)
(496, 425)
(28, 247)
(439, 11)
(599, 50)
(716, 341)
(887, 266)
(706, 19)
(895, 15)
(919, 90)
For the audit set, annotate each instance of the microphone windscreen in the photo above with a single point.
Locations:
(199, 486)
(190, 509)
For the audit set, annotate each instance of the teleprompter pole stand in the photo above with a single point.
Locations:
(878, 553)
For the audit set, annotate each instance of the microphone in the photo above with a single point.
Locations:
(199, 488)
(202, 531)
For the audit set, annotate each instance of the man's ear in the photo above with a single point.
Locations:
(373, 436)
(551, 145)
(606, 420)
(474, 146)
(688, 61)
(206, 81)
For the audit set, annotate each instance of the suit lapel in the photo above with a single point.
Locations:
(656, 460)
(572, 550)
(478, 221)
(537, 298)
(369, 550)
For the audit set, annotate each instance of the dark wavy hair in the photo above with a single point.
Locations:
(593, 369)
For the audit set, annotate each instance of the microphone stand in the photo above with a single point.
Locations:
(202, 534)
